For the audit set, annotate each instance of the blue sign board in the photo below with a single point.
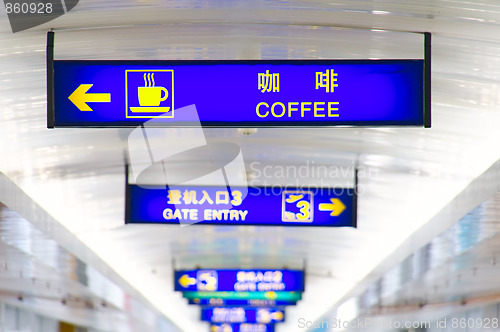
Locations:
(237, 93)
(242, 315)
(263, 206)
(243, 327)
(276, 296)
(241, 303)
(239, 280)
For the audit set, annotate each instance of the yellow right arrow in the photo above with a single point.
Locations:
(186, 281)
(277, 316)
(336, 206)
(80, 97)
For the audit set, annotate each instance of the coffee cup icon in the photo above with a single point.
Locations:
(148, 100)
(151, 95)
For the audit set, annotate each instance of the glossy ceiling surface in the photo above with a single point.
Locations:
(407, 176)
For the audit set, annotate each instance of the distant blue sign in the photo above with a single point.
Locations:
(215, 302)
(238, 93)
(239, 280)
(242, 315)
(334, 207)
(243, 327)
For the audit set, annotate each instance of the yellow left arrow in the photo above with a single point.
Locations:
(80, 97)
(186, 281)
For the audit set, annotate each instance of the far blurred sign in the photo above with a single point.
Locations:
(239, 280)
(214, 302)
(277, 296)
(242, 315)
(243, 327)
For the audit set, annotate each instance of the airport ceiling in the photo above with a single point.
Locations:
(407, 175)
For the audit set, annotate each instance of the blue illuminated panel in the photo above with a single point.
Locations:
(242, 315)
(334, 207)
(241, 303)
(276, 296)
(243, 327)
(239, 280)
(237, 93)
